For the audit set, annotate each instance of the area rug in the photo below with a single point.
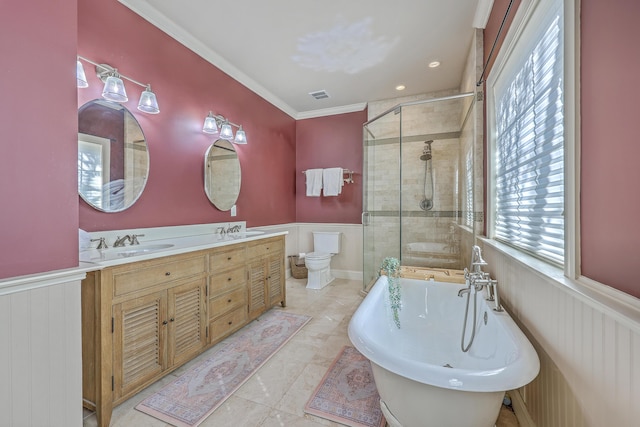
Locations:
(347, 394)
(191, 398)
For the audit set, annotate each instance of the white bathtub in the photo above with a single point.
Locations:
(410, 364)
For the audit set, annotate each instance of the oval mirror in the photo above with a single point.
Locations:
(222, 174)
(113, 157)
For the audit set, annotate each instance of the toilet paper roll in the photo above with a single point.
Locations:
(301, 255)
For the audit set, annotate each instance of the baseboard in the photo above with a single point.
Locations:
(347, 274)
(520, 409)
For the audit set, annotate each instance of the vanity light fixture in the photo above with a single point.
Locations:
(80, 75)
(213, 122)
(114, 89)
(210, 125)
(241, 137)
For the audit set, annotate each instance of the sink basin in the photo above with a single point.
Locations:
(141, 249)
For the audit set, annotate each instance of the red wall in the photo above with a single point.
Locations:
(187, 87)
(609, 145)
(38, 139)
(610, 175)
(331, 141)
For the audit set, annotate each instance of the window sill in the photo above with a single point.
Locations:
(623, 307)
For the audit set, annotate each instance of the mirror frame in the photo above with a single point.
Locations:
(99, 138)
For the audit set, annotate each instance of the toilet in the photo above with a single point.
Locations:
(325, 245)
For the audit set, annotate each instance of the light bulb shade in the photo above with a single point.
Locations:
(226, 132)
(241, 137)
(80, 76)
(114, 90)
(148, 102)
(210, 125)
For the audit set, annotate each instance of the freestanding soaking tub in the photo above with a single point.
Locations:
(422, 375)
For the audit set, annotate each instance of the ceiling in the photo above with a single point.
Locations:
(355, 50)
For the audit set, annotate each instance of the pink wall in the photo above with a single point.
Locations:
(187, 87)
(610, 175)
(331, 141)
(38, 140)
(610, 146)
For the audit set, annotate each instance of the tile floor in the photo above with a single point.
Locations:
(276, 394)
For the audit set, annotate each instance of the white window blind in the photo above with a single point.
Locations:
(529, 150)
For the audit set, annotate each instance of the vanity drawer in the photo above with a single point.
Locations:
(226, 258)
(225, 302)
(145, 274)
(228, 323)
(223, 282)
(265, 248)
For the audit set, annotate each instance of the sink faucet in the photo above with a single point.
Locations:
(120, 241)
(229, 229)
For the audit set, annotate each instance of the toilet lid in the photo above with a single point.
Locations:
(318, 255)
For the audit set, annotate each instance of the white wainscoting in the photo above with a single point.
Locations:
(588, 341)
(41, 351)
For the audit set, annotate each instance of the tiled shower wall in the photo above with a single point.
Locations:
(397, 175)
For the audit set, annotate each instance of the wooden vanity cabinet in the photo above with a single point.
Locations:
(140, 321)
(227, 291)
(144, 319)
(157, 332)
(266, 275)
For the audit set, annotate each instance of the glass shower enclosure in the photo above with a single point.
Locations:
(419, 201)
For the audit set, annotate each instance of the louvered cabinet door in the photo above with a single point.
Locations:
(139, 342)
(276, 280)
(187, 319)
(257, 288)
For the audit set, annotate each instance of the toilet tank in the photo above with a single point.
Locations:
(326, 241)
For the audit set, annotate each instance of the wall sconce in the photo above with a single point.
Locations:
(213, 122)
(114, 89)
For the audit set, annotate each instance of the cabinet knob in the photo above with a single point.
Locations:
(229, 279)
(230, 323)
(164, 322)
(229, 300)
(172, 319)
(168, 273)
(228, 258)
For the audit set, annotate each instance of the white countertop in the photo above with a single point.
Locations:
(101, 258)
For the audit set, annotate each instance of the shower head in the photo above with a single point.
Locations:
(426, 152)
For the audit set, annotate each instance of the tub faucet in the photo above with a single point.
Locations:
(464, 291)
(476, 260)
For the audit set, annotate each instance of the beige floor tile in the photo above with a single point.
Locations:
(275, 396)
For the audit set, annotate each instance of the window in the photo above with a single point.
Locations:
(528, 138)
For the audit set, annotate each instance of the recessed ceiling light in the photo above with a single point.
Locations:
(434, 64)
(400, 87)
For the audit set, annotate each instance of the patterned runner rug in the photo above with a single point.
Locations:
(347, 394)
(191, 398)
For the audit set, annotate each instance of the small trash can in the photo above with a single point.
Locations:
(298, 269)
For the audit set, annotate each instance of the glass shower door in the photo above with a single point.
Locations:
(381, 193)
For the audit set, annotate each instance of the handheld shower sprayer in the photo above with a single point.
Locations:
(426, 203)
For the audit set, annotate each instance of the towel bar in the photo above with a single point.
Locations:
(348, 179)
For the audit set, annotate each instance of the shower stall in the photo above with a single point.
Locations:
(420, 167)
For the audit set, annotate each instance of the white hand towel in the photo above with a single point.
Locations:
(314, 182)
(332, 181)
